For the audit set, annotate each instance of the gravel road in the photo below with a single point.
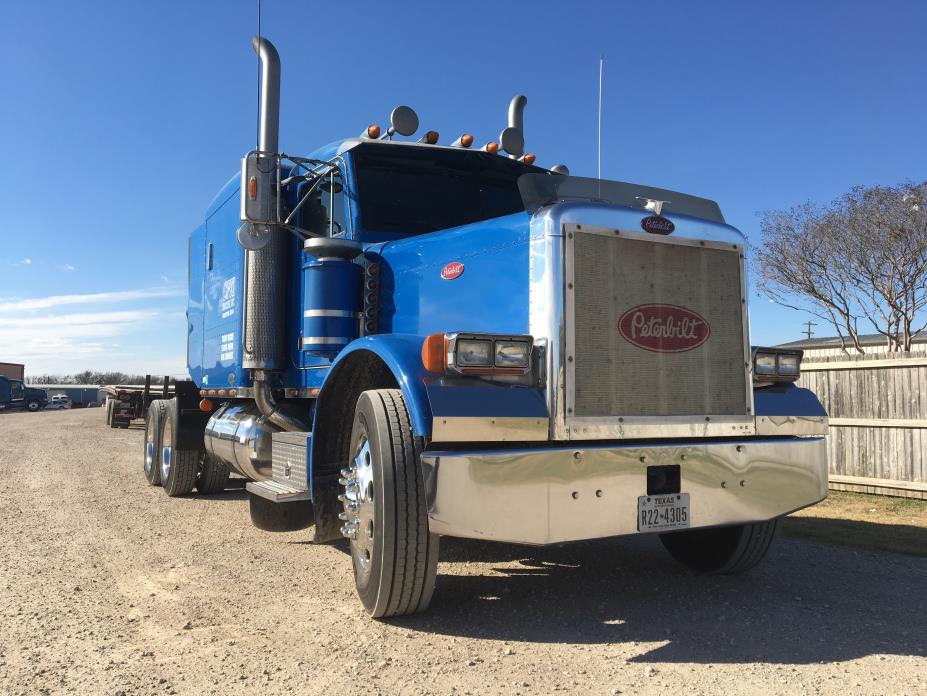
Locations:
(109, 587)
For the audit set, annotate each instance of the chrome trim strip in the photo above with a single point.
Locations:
(489, 429)
(791, 425)
(334, 313)
(555, 494)
(324, 340)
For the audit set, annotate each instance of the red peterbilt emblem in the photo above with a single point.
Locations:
(655, 224)
(663, 328)
(452, 270)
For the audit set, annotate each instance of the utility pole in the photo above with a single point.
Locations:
(808, 332)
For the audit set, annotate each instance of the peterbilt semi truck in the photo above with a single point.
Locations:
(396, 339)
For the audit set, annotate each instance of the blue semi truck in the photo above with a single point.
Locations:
(15, 395)
(395, 339)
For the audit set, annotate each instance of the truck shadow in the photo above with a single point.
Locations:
(234, 491)
(806, 603)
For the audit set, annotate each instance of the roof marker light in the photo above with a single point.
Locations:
(465, 140)
(430, 138)
(491, 147)
(529, 158)
(372, 132)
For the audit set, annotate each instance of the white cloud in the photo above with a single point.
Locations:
(130, 330)
(68, 267)
(25, 262)
(56, 301)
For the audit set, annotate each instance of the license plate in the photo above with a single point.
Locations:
(658, 513)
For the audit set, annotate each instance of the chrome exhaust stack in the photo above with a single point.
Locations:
(264, 348)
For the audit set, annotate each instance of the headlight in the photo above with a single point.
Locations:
(512, 353)
(474, 353)
(489, 355)
(788, 365)
(765, 364)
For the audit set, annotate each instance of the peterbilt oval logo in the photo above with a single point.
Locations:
(664, 328)
(656, 224)
(452, 270)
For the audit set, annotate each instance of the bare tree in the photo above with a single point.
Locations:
(863, 257)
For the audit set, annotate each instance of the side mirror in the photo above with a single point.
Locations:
(257, 180)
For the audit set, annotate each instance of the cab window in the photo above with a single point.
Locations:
(324, 213)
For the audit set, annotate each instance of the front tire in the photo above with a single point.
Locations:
(154, 419)
(33, 406)
(722, 550)
(179, 467)
(395, 557)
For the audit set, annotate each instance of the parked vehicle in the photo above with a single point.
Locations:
(399, 340)
(16, 395)
(60, 401)
(127, 402)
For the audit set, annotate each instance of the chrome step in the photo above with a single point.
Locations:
(277, 492)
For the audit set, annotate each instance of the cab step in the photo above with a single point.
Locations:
(277, 492)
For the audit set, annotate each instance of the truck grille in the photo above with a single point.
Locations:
(658, 328)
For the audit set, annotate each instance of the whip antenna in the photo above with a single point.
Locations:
(257, 133)
(601, 68)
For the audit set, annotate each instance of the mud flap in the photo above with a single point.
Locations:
(327, 507)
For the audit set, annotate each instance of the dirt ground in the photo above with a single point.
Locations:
(874, 522)
(109, 587)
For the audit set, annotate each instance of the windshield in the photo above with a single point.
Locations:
(417, 189)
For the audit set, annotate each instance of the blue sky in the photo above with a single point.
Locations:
(122, 119)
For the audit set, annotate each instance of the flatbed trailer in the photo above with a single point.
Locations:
(128, 402)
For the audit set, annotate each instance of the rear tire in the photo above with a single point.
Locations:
(151, 453)
(722, 550)
(214, 475)
(395, 557)
(179, 467)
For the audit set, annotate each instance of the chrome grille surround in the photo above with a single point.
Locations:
(607, 413)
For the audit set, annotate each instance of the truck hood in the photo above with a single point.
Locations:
(469, 278)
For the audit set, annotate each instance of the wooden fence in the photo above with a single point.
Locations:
(878, 421)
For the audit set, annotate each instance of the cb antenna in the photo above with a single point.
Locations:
(257, 133)
(601, 69)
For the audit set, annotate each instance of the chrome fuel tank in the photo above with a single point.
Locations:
(240, 436)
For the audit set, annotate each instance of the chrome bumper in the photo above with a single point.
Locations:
(552, 495)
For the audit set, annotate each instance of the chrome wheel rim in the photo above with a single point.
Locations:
(360, 509)
(166, 434)
(149, 447)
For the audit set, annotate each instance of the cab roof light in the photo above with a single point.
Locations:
(434, 353)
(491, 147)
(430, 138)
(372, 132)
(465, 140)
(528, 158)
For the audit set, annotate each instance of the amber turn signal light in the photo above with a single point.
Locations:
(206, 405)
(434, 352)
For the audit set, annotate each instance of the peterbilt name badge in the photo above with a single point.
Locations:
(452, 270)
(664, 328)
(656, 224)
